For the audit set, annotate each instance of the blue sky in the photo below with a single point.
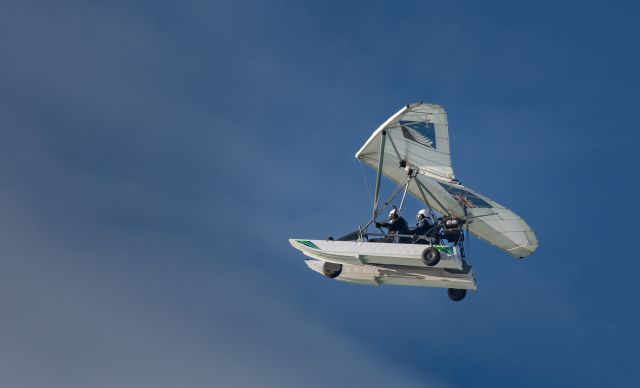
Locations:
(156, 157)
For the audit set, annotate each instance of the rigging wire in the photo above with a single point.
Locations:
(364, 178)
(466, 245)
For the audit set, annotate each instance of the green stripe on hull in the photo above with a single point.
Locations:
(447, 250)
(308, 243)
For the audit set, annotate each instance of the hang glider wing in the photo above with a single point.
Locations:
(418, 136)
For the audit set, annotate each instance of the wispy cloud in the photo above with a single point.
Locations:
(118, 265)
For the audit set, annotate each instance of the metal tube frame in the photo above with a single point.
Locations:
(379, 175)
(388, 201)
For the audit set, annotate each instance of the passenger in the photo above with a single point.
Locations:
(396, 225)
(424, 226)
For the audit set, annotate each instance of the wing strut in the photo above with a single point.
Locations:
(412, 174)
(421, 187)
(424, 198)
(395, 149)
(379, 175)
(404, 186)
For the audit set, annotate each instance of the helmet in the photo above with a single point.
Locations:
(421, 214)
(393, 212)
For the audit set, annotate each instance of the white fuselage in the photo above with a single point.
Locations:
(388, 263)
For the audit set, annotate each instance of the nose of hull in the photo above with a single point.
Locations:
(314, 265)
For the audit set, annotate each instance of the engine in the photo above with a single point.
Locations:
(452, 228)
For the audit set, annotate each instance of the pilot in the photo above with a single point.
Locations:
(396, 225)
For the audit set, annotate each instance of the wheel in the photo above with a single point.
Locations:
(456, 294)
(331, 270)
(430, 256)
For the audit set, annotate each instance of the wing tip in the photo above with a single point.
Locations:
(522, 251)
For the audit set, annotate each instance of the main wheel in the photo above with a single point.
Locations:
(456, 294)
(331, 270)
(430, 256)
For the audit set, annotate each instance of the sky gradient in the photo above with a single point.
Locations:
(156, 157)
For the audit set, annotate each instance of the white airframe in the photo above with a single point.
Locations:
(412, 149)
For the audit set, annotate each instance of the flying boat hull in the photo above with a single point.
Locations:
(376, 275)
(387, 263)
(376, 253)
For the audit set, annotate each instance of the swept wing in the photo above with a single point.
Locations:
(417, 137)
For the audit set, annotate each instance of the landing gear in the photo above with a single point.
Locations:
(456, 294)
(430, 256)
(331, 270)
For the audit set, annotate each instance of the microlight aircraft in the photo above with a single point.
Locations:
(411, 149)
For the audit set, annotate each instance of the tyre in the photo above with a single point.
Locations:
(331, 270)
(430, 256)
(456, 294)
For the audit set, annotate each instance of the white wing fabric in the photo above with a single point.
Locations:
(418, 137)
(419, 134)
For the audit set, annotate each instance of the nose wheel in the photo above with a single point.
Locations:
(331, 270)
